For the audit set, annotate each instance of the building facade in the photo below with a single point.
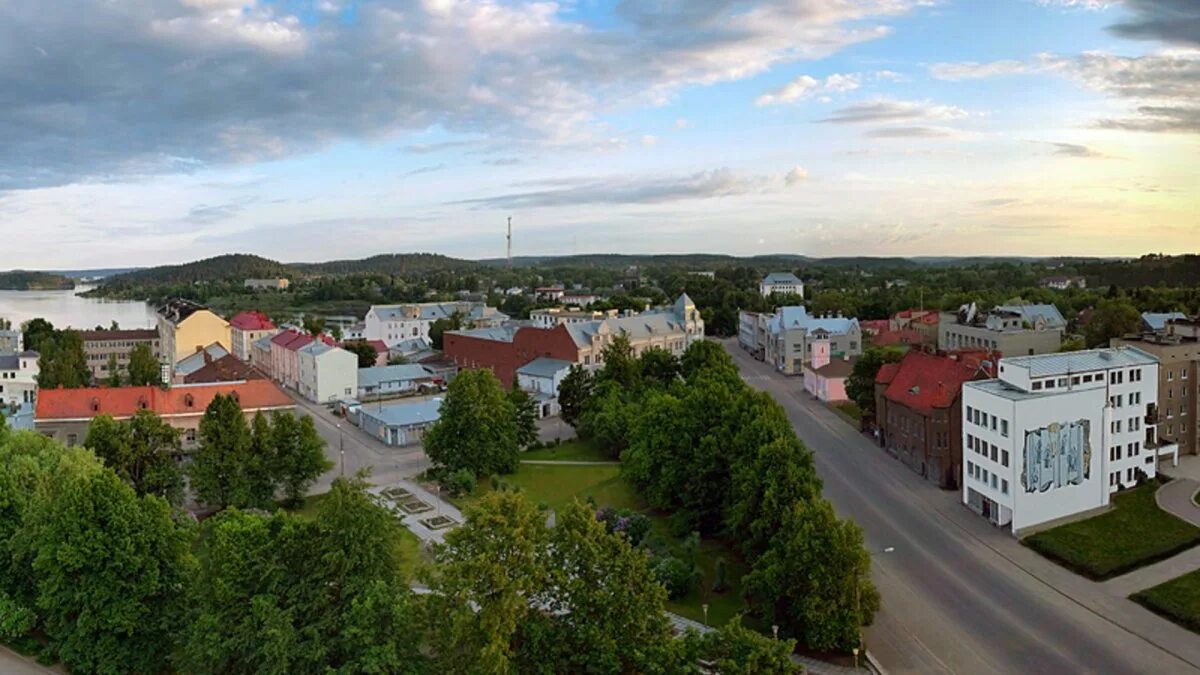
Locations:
(399, 380)
(11, 341)
(541, 378)
(552, 316)
(1011, 330)
(783, 283)
(245, 329)
(400, 424)
(185, 327)
(1178, 352)
(18, 378)
(100, 345)
(326, 372)
(395, 323)
(825, 377)
(1055, 435)
(65, 414)
(791, 333)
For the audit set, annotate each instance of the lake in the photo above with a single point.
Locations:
(65, 308)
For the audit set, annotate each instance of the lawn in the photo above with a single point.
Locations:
(1177, 600)
(574, 451)
(850, 411)
(1133, 534)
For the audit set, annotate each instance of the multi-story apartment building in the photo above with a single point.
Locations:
(245, 329)
(1011, 330)
(11, 341)
(101, 345)
(1177, 348)
(1056, 434)
(552, 316)
(326, 372)
(791, 333)
(185, 328)
(394, 323)
(752, 332)
(18, 378)
(783, 283)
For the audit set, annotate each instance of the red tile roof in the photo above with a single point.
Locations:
(874, 325)
(252, 321)
(292, 339)
(906, 336)
(924, 382)
(228, 368)
(120, 402)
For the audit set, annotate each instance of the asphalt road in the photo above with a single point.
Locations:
(951, 604)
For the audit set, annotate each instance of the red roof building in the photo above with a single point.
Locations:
(504, 350)
(247, 328)
(252, 321)
(918, 409)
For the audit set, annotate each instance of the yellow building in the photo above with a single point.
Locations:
(185, 328)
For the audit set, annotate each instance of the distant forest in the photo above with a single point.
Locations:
(19, 280)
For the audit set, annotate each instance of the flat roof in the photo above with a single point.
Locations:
(404, 414)
(1064, 363)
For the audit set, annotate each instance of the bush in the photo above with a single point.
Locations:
(674, 574)
(458, 483)
(720, 584)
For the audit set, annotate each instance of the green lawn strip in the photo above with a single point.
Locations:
(1177, 600)
(1133, 534)
(849, 411)
(574, 451)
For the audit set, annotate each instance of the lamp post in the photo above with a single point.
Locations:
(705, 608)
(855, 650)
(775, 630)
(342, 448)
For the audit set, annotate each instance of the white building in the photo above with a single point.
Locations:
(541, 378)
(10, 341)
(394, 323)
(553, 316)
(671, 327)
(394, 380)
(781, 283)
(1056, 434)
(18, 378)
(326, 373)
(791, 334)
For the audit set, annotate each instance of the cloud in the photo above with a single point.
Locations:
(1158, 119)
(1076, 150)
(206, 214)
(649, 141)
(910, 132)
(503, 161)
(427, 148)
(170, 86)
(426, 169)
(570, 192)
(805, 86)
(888, 110)
(1172, 21)
(971, 70)
(682, 123)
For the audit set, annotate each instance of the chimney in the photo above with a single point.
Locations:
(207, 357)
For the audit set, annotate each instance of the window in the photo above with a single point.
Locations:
(1170, 376)
(1004, 428)
(190, 435)
(993, 422)
(1004, 458)
(994, 481)
(1062, 381)
(1075, 380)
(970, 413)
(1036, 386)
(1004, 486)
(72, 439)
(1049, 384)
(995, 452)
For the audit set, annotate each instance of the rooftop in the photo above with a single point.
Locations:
(228, 368)
(544, 367)
(252, 321)
(194, 362)
(131, 334)
(373, 377)
(177, 310)
(497, 334)
(1158, 320)
(187, 399)
(781, 278)
(924, 381)
(797, 316)
(1065, 363)
(404, 414)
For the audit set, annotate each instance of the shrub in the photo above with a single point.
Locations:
(460, 482)
(674, 574)
(720, 584)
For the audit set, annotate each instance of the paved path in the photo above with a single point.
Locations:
(413, 522)
(1153, 575)
(960, 596)
(12, 663)
(1176, 497)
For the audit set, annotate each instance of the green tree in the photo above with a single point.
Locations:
(314, 325)
(860, 386)
(363, 350)
(606, 418)
(439, 327)
(143, 368)
(706, 357)
(1073, 343)
(114, 372)
(36, 332)
(620, 365)
(61, 361)
(734, 649)
(299, 455)
(658, 367)
(525, 411)
(573, 392)
(142, 451)
(476, 429)
(1112, 317)
(224, 471)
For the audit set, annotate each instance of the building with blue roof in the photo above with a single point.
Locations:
(394, 380)
(785, 339)
(400, 424)
(783, 283)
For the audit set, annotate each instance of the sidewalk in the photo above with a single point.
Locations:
(1176, 498)
(413, 521)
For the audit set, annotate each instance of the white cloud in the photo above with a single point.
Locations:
(971, 70)
(798, 174)
(891, 110)
(805, 86)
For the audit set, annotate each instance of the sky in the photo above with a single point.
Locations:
(144, 132)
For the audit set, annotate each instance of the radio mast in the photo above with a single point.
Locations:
(510, 242)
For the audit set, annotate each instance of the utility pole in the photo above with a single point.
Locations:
(510, 242)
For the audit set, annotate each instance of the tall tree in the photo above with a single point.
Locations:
(573, 391)
(658, 367)
(1112, 317)
(143, 368)
(363, 350)
(224, 472)
(734, 649)
(620, 365)
(36, 332)
(142, 451)
(314, 325)
(114, 372)
(439, 327)
(860, 385)
(299, 454)
(525, 411)
(476, 429)
(62, 362)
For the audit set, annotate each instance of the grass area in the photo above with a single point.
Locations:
(574, 451)
(408, 546)
(850, 411)
(1177, 600)
(1133, 534)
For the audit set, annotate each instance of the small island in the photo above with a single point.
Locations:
(20, 280)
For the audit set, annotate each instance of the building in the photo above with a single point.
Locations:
(260, 355)
(1157, 321)
(18, 378)
(64, 414)
(267, 284)
(553, 293)
(1060, 283)
(228, 368)
(1178, 354)
(326, 372)
(355, 331)
(1016, 329)
(101, 345)
(381, 349)
(399, 424)
(1056, 434)
(752, 332)
(393, 323)
(185, 327)
(791, 333)
(671, 328)
(552, 316)
(580, 299)
(396, 380)
(783, 283)
(196, 361)
(918, 410)
(244, 329)
(285, 360)
(541, 377)
(825, 377)
(11, 341)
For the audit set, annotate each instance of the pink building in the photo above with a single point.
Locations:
(824, 377)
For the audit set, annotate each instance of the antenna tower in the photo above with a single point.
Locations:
(510, 242)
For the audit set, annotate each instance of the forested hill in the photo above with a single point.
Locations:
(390, 263)
(20, 280)
(1149, 270)
(220, 268)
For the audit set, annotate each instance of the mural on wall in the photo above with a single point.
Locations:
(1057, 455)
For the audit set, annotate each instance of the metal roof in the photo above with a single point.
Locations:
(544, 366)
(1158, 320)
(497, 334)
(781, 278)
(192, 363)
(373, 377)
(1078, 362)
(404, 414)
(798, 317)
(1047, 314)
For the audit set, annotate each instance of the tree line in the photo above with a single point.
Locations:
(724, 461)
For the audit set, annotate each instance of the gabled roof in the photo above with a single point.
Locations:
(407, 372)
(228, 368)
(924, 382)
(836, 368)
(252, 321)
(432, 311)
(544, 366)
(781, 278)
(1158, 320)
(194, 362)
(1047, 314)
(637, 327)
(498, 334)
(124, 402)
(178, 310)
(788, 318)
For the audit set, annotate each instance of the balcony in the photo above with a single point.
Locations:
(1151, 418)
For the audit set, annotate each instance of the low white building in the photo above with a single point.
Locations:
(782, 283)
(394, 380)
(541, 377)
(1056, 434)
(396, 323)
(18, 378)
(553, 316)
(326, 373)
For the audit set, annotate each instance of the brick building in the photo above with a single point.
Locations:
(504, 350)
(918, 410)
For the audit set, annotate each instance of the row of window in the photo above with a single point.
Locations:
(1131, 450)
(1114, 377)
(979, 447)
(1118, 400)
(987, 420)
(1132, 424)
(1183, 374)
(1114, 478)
(984, 476)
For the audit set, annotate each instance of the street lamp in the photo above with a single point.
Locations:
(855, 650)
(342, 448)
(775, 630)
(705, 608)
